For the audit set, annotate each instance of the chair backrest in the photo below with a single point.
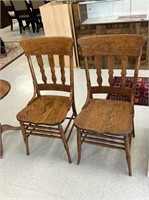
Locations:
(5, 18)
(41, 53)
(112, 46)
(7, 3)
(9, 8)
(37, 4)
(19, 5)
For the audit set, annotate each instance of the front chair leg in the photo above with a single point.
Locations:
(25, 138)
(79, 144)
(65, 143)
(127, 151)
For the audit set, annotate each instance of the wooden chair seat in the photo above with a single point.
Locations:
(49, 110)
(106, 116)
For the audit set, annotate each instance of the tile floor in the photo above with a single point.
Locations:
(45, 174)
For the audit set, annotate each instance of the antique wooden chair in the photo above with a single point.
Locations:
(104, 122)
(53, 90)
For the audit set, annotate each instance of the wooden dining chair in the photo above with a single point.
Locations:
(104, 122)
(23, 15)
(47, 112)
(35, 12)
(10, 11)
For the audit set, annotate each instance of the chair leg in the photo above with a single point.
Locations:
(128, 156)
(79, 144)
(25, 138)
(65, 143)
(11, 25)
(38, 28)
(20, 26)
(74, 109)
(27, 24)
(133, 131)
(32, 25)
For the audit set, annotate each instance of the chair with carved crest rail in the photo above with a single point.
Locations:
(104, 122)
(53, 90)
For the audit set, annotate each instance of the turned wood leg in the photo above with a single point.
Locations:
(79, 144)
(25, 138)
(65, 143)
(128, 156)
(70, 133)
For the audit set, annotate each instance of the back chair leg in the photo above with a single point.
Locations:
(33, 26)
(133, 129)
(11, 25)
(74, 109)
(65, 143)
(20, 26)
(128, 156)
(79, 144)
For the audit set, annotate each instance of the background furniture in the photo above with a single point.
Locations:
(84, 18)
(5, 18)
(112, 17)
(10, 11)
(53, 94)
(35, 12)
(57, 20)
(23, 15)
(104, 122)
(3, 50)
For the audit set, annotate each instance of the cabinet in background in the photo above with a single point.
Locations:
(112, 17)
(58, 21)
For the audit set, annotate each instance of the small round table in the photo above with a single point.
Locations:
(4, 89)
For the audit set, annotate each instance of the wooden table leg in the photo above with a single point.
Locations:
(4, 128)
